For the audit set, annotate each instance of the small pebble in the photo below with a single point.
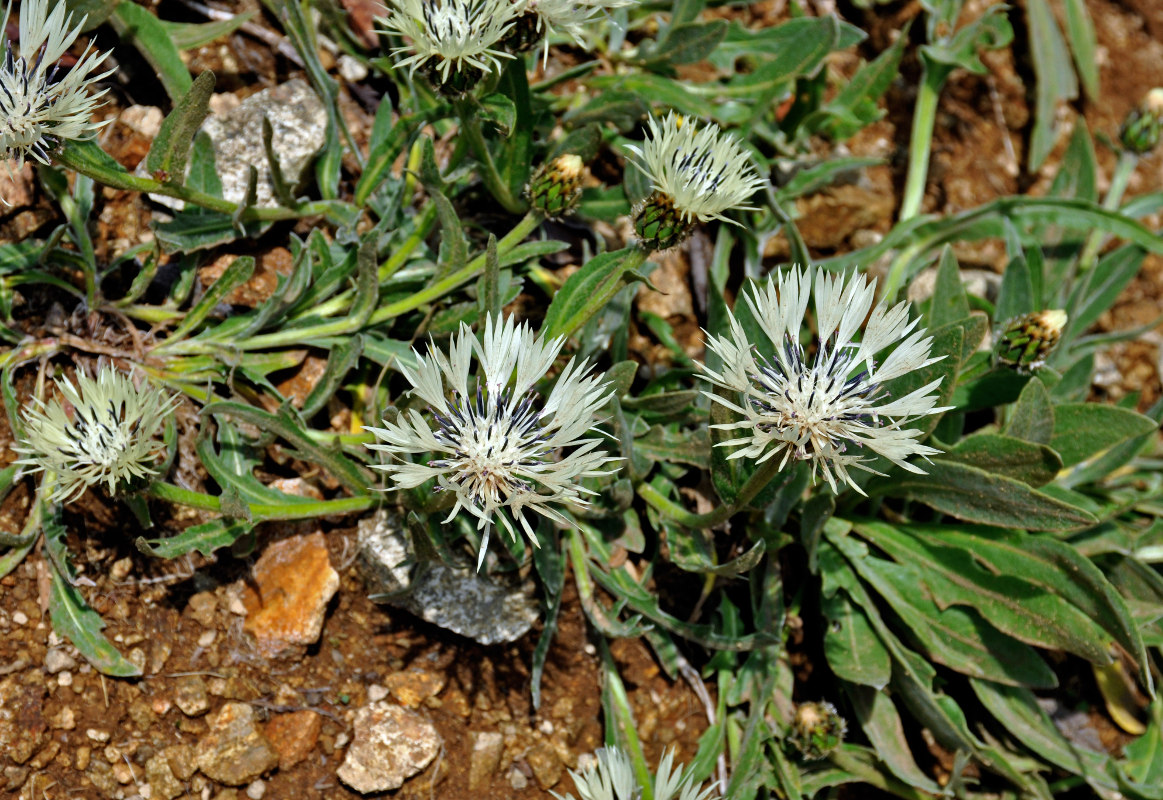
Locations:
(376, 693)
(65, 679)
(20, 618)
(120, 569)
(207, 638)
(545, 727)
(256, 790)
(517, 779)
(57, 660)
(97, 736)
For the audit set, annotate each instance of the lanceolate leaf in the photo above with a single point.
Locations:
(169, 151)
(1082, 430)
(1035, 464)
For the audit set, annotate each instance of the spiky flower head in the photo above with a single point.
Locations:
(831, 409)
(98, 431)
(817, 730)
(37, 109)
(610, 776)
(555, 187)
(451, 35)
(697, 173)
(1027, 341)
(1142, 128)
(499, 446)
(565, 17)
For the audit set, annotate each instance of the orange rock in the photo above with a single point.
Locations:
(295, 581)
(294, 735)
(412, 687)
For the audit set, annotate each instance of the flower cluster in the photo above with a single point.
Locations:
(696, 173)
(611, 777)
(500, 446)
(451, 35)
(99, 431)
(832, 409)
(38, 109)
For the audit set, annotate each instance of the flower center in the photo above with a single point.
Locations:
(102, 442)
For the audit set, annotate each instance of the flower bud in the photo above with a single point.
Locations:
(1143, 126)
(1028, 340)
(659, 225)
(817, 730)
(556, 185)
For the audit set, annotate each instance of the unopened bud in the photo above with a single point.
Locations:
(556, 186)
(817, 730)
(1141, 130)
(659, 225)
(1028, 340)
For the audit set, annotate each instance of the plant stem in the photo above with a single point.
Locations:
(262, 511)
(759, 479)
(471, 126)
(1124, 169)
(921, 139)
(619, 708)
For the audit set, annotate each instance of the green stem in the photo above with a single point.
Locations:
(759, 479)
(921, 139)
(1124, 169)
(896, 271)
(263, 511)
(471, 126)
(136, 183)
(619, 703)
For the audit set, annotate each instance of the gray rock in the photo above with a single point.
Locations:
(390, 745)
(162, 783)
(57, 659)
(234, 751)
(458, 599)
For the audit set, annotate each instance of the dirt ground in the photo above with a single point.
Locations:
(86, 736)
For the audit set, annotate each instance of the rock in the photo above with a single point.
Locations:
(23, 729)
(298, 122)
(460, 600)
(413, 686)
(191, 696)
(487, 747)
(162, 783)
(234, 751)
(256, 790)
(57, 659)
(64, 720)
(295, 582)
(546, 766)
(203, 608)
(182, 760)
(390, 745)
(294, 735)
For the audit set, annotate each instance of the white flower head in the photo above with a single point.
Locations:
(39, 109)
(498, 444)
(451, 34)
(568, 17)
(99, 431)
(832, 409)
(701, 171)
(610, 776)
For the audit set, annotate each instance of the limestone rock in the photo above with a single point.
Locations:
(234, 751)
(487, 747)
(391, 744)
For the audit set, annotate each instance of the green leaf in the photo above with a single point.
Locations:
(202, 174)
(1078, 175)
(1016, 294)
(882, 724)
(853, 650)
(1088, 301)
(588, 290)
(232, 277)
(204, 538)
(138, 25)
(1056, 81)
(1083, 45)
(500, 111)
(686, 43)
(1032, 418)
(691, 447)
(1082, 430)
(857, 104)
(1010, 583)
(949, 303)
(974, 495)
(1035, 464)
(621, 108)
(187, 36)
(170, 149)
(71, 616)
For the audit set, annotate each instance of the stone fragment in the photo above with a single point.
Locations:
(101, 774)
(294, 735)
(256, 790)
(487, 747)
(390, 745)
(234, 751)
(57, 659)
(295, 582)
(460, 600)
(412, 687)
(64, 720)
(22, 725)
(163, 785)
(203, 607)
(546, 766)
(182, 760)
(190, 695)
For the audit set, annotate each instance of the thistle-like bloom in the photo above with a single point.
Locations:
(832, 409)
(565, 17)
(611, 777)
(696, 173)
(99, 431)
(451, 34)
(498, 444)
(36, 109)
